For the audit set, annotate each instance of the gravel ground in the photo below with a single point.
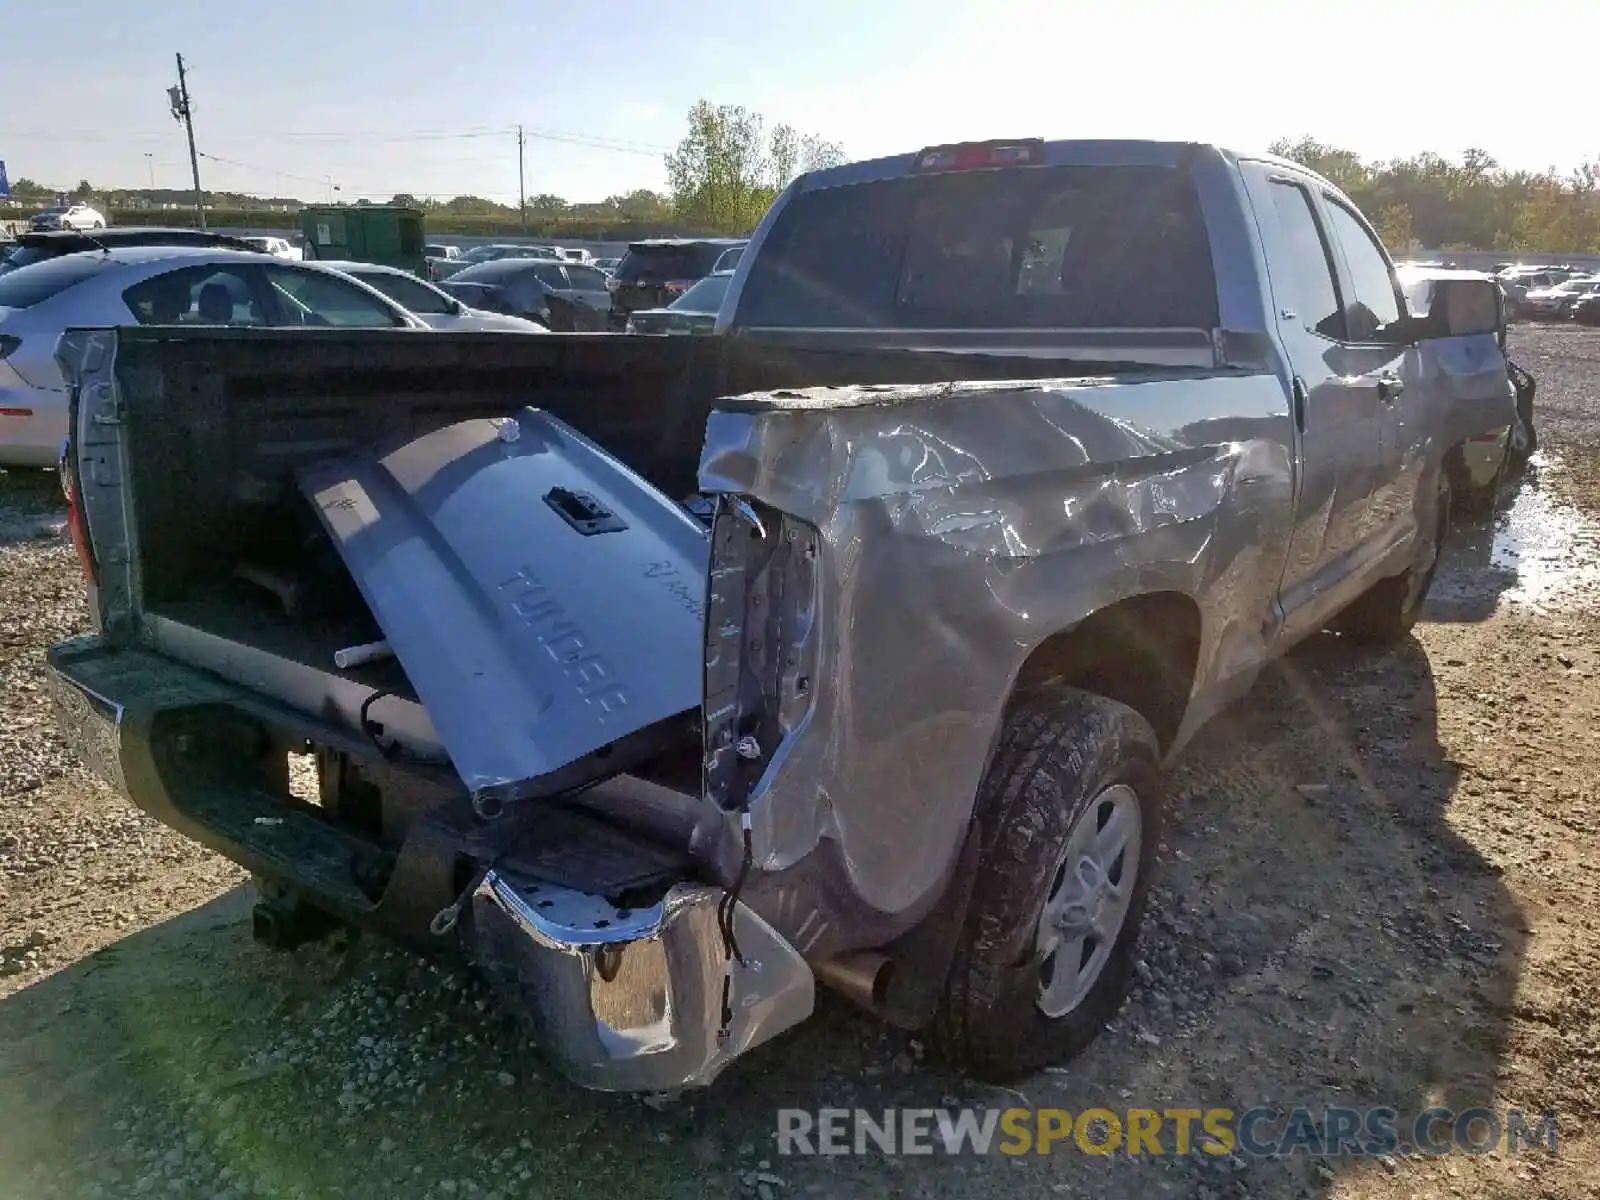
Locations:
(1378, 887)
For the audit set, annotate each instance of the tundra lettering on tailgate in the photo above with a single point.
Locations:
(565, 642)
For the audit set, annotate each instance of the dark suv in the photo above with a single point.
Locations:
(36, 247)
(655, 273)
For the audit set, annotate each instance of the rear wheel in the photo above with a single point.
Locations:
(1388, 611)
(1069, 817)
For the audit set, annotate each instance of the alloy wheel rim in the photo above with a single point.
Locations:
(1090, 894)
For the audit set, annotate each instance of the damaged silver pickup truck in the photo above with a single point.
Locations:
(843, 647)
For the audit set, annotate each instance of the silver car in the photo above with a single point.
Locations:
(436, 309)
(151, 285)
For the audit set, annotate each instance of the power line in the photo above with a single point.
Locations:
(365, 137)
(263, 170)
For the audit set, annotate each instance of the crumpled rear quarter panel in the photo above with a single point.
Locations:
(961, 525)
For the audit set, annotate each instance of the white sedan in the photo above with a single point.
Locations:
(277, 247)
(74, 216)
(151, 285)
(436, 308)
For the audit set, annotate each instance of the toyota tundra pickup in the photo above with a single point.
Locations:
(667, 678)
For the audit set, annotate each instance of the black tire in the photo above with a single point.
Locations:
(1386, 613)
(1058, 754)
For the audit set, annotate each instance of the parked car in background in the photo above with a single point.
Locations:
(276, 246)
(576, 255)
(561, 296)
(1585, 310)
(693, 312)
(36, 247)
(652, 274)
(151, 285)
(73, 216)
(1553, 303)
(444, 268)
(436, 308)
(439, 250)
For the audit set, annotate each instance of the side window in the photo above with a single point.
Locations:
(551, 276)
(1373, 303)
(316, 299)
(196, 296)
(1307, 276)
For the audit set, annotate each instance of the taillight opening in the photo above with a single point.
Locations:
(977, 156)
(76, 528)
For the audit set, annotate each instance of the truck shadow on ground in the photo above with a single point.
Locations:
(1319, 936)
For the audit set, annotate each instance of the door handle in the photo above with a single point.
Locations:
(1390, 386)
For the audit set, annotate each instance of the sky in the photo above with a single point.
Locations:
(384, 96)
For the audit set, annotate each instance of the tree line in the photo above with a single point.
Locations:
(1436, 203)
(730, 164)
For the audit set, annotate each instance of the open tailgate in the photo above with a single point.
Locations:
(544, 600)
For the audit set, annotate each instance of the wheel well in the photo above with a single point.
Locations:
(1141, 651)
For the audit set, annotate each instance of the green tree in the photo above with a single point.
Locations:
(83, 191)
(726, 170)
(718, 173)
(474, 206)
(1393, 224)
(1472, 203)
(791, 153)
(547, 205)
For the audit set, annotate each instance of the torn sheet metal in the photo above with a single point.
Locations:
(544, 601)
(957, 528)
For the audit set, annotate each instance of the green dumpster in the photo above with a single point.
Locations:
(375, 233)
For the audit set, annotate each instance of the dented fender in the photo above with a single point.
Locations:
(957, 527)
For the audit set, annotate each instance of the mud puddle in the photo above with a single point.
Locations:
(1539, 552)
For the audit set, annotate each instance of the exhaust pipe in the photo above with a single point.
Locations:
(861, 976)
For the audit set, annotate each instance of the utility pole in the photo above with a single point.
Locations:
(150, 161)
(179, 96)
(522, 187)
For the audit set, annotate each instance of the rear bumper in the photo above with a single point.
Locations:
(632, 999)
(620, 999)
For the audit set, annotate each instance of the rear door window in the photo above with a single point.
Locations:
(586, 279)
(552, 276)
(1301, 263)
(1035, 247)
(206, 295)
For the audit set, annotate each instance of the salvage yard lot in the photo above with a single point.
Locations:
(1380, 886)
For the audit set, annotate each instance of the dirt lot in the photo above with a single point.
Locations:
(1379, 887)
